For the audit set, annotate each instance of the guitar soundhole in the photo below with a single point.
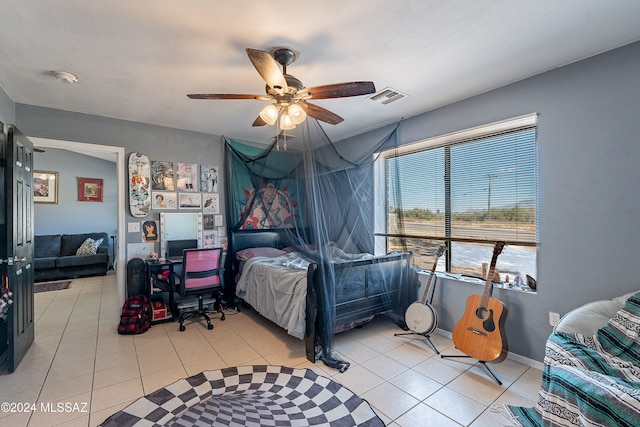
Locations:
(487, 319)
(482, 313)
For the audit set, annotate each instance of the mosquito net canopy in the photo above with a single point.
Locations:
(321, 199)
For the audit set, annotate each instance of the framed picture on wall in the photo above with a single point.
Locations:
(209, 178)
(190, 201)
(187, 177)
(162, 176)
(90, 189)
(164, 200)
(208, 222)
(45, 187)
(210, 203)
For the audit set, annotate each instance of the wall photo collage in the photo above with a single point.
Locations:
(186, 186)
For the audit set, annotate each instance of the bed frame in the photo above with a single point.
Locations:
(358, 295)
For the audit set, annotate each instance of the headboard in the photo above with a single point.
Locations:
(256, 239)
(243, 239)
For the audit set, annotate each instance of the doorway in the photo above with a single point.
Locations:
(111, 153)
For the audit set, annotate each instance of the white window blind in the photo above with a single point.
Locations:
(467, 188)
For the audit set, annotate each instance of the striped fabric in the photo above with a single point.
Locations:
(590, 380)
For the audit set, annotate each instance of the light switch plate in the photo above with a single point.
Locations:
(554, 318)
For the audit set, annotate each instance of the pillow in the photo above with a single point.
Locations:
(247, 254)
(590, 317)
(305, 247)
(89, 247)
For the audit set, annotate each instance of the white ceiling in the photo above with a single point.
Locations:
(137, 60)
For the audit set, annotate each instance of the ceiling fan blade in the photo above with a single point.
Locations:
(322, 114)
(268, 69)
(341, 90)
(259, 122)
(226, 96)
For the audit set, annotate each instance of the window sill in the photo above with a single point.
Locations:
(475, 280)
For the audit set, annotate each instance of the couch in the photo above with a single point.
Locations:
(591, 374)
(56, 256)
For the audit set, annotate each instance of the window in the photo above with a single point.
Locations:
(467, 190)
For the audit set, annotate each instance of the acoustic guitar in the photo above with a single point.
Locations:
(480, 332)
(420, 316)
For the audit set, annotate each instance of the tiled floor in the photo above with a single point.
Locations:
(80, 360)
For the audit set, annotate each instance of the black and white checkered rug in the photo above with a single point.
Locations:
(249, 396)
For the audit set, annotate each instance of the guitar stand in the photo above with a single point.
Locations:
(428, 337)
(481, 362)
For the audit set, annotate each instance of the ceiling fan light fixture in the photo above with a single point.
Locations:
(297, 113)
(269, 114)
(286, 123)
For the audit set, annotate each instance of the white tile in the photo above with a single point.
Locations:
(381, 343)
(415, 384)
(424, 416)
(358, 379)
(408, 356)
(454, 405)
(358, 352)
(384, 366)
(436, 370)
(527, 386)
(478, 388)
(390, 400)
(159, 379)
(77, 348)
(115, 375)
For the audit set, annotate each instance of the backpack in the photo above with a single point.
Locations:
(136, 315)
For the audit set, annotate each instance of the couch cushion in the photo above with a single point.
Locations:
(71, 242)
(44, 262)
(47, 246)
(89, 247)
(76, 260)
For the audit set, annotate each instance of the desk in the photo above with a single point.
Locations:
(153, 268)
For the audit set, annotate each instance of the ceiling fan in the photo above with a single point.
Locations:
(290, 96)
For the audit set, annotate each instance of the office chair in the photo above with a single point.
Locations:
(200, 276)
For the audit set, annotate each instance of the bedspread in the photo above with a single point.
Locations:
(590, 380)
(277, 289)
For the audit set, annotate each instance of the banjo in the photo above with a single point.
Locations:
(421, 317)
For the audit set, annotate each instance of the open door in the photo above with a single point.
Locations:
(16, 246)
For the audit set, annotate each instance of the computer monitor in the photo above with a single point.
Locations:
(175, 247)
(178, 231)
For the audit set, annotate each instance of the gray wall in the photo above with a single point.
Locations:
(7, 108)
(70, 215)
(158, 143)
(589, 202)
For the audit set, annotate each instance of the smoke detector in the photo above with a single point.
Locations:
(65, 76)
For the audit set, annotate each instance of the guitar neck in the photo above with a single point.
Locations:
(497, 249)
(441, 249)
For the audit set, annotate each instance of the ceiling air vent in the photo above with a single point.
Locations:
(387, 96)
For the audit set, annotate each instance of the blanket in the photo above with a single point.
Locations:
(277, 289)
(590, 380)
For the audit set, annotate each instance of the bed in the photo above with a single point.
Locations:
(283, 288)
